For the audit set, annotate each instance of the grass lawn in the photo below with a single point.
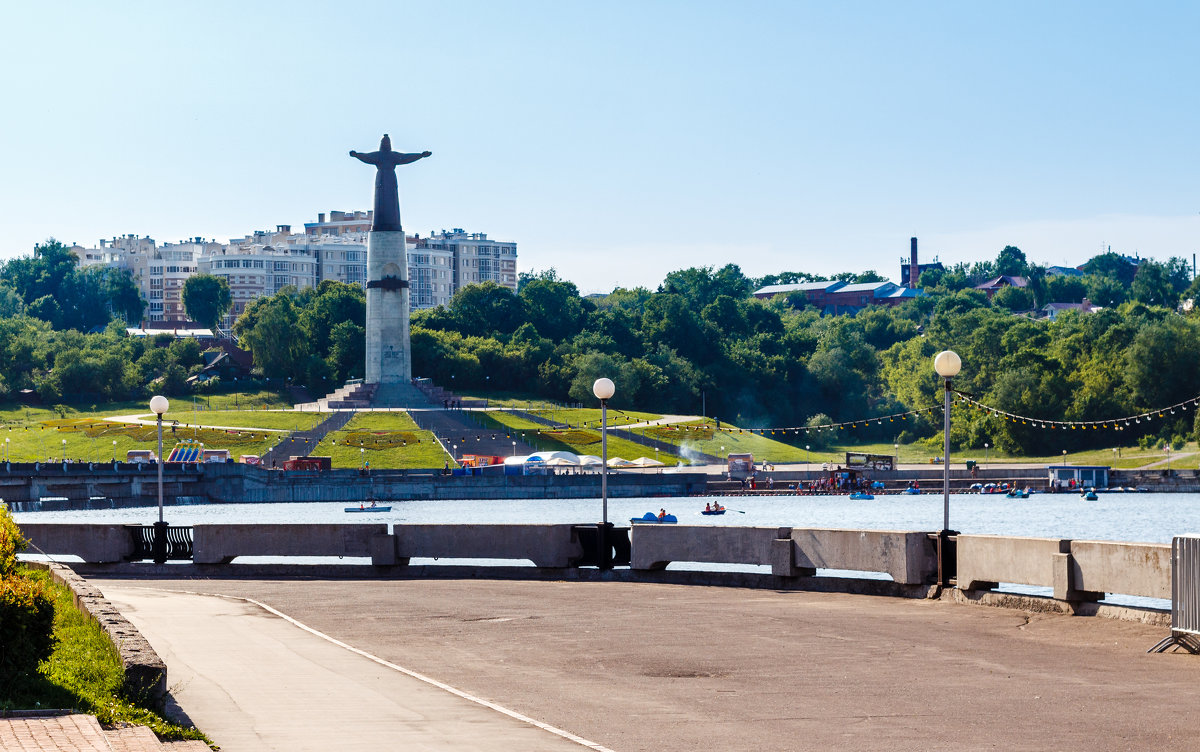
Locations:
(577, 440)
(37, 433)
(589, 417)
(388, 440)
(520, 400)
(84, 673)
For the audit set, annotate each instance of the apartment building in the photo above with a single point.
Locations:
(476, 258)
(264, 262)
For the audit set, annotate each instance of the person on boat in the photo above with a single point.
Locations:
(662, 514)
(708, 507)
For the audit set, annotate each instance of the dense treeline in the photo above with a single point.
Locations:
(700, 339)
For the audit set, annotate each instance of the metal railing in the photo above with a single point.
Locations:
(1185, 596)
(178, 542)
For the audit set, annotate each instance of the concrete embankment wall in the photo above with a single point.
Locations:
(1078, 571)
(30, 488)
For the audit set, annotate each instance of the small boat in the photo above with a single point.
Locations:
(1014, 493)
(718, 510)
(911, 490)
(1089, 495)
(650, 518)
(374, 508)
(862, 496)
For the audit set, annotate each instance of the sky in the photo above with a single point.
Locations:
(617, 141)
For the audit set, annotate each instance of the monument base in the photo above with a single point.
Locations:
(398, 395)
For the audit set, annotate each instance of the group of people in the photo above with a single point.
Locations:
(839, 482)
(714, 507)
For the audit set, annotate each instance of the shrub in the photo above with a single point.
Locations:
(11, 542)
(26, 625)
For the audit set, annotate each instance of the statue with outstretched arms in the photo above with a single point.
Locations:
(387, 198)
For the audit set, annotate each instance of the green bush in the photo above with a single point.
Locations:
(11, 542)
(26, 625)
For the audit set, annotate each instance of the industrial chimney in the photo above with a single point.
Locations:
(914, 271)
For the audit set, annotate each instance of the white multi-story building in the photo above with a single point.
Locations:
(253, 270)
(264, 262)
(160, 273)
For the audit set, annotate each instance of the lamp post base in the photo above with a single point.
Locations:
(159, 547)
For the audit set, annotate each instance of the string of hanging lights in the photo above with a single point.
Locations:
(1116, 424)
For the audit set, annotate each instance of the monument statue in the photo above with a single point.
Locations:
(387, 198)
(388, 347)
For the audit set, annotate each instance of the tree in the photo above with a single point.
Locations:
(1011, 261)
(206, 299)
(1066, 289)
(269, 333)
(83, 299)
(331, 305)
(1111, 265)
(486, 309)
(554, 307)
(1013, 298)
(1153, 285)
(1105, 291)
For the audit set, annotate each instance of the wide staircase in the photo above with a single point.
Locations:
(302, 443)
(453, 428)
(356, 395)
(75, 732)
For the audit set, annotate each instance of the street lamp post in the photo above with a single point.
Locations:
(947, 364)
(807, 456)
(985, 453)
(114, 450)
(64, 451)
(6, 440)
(159, 405)
(514, 449)
(604, 389)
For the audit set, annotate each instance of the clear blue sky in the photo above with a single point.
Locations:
(617, 141)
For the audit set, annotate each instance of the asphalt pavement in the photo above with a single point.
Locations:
(636, 666)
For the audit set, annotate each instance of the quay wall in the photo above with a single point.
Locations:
(50, 487)
(1077, 571)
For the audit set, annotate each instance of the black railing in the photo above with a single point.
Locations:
(176, 545)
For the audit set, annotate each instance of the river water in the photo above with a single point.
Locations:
(1134, 517)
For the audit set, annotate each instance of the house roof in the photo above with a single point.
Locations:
(866, 287)
(828, 286)
(1001, 281)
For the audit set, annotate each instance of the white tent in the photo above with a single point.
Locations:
(646, 462)
(618, 462)
(560, 462)
(590, 459)
(545, 457)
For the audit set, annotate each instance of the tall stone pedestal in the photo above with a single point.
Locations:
(389, 360)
